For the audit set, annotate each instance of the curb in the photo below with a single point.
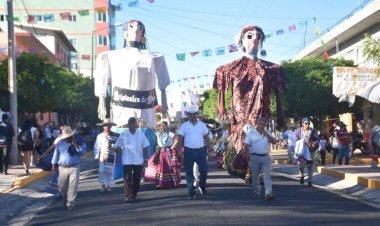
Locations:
(369, 183)
(22, 182)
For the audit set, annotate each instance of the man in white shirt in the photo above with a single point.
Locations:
(257, 142)
(193, 134)
(134, 150)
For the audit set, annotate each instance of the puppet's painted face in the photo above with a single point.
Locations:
(251, 40)
(135, 32)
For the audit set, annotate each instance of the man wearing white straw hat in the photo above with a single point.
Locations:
(193, 134)
(66, 156)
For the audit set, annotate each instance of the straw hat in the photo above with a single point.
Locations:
(66, 132)
(106, 122)
(192, 110)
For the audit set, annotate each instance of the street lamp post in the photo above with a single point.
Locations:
(12, 78)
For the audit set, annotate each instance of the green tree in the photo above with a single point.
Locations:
(210, 105)
(44, 87)
(309, 91)
(371, 50)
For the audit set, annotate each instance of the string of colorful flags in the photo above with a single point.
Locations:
(70, 16)
(233, 47)
(196, 84)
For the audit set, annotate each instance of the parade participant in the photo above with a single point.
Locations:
(150, 135)
(257, 143)
(106, 156)
(26, 143)
(7, 133)
(251, 80)
(307, 141)
(131, 72)
(134, 147)
(193, 134)
(66, 157)
(163, 167)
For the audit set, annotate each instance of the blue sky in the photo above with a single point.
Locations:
(184, 26)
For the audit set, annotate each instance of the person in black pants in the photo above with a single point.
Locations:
(5, 150)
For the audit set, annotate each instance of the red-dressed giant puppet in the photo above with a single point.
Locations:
(251, 80)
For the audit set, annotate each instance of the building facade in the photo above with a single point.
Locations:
(346, 39)
(88, 24)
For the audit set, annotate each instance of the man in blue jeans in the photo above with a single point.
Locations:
(193, 134)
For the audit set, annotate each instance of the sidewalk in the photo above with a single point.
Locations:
(18, 179)
(359, 171)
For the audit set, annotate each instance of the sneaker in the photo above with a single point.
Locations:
(203, 191)
(27, 172)
(192, 196)
(128, 200)
(269, 196)
(103, 188)
(309, 184)
(302, 180)
(33, 165)
(70, 208)
(108, 189)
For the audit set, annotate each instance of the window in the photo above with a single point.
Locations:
(2, 18)
(37, 18)
(101, 17)
(102, 40)
(73, 18)
(73, 41)
(74, 66)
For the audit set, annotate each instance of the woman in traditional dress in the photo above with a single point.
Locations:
(251, 80)
(163, 167)
(103, 151)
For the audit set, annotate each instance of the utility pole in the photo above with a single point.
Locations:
(12, 79)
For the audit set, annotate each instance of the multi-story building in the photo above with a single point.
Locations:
(88, 24)
(346, 39)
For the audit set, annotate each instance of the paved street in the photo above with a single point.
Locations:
(229, 203)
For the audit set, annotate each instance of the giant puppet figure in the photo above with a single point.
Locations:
(131, 73)
(251, 80)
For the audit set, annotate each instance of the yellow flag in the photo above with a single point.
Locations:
(317, 31)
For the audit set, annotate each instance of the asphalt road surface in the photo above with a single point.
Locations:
(229, 202)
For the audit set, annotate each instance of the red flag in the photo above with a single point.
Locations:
(326, 55)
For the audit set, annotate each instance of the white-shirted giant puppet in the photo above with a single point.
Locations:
(131, 73)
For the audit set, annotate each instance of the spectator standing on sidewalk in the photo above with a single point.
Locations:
(334, 145)
(322, 148)
(257, 142)
(134, 151)
(344, 142)
(8, 131)
(66, 157)
(311, 139)
(193, 134)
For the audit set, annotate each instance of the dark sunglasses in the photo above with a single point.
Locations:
(251, 36)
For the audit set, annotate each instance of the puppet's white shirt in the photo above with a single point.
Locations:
(132, 74)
